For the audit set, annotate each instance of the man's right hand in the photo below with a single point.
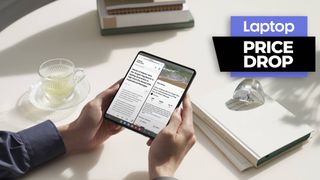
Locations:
(172, 143)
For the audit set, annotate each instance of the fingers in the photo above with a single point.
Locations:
(110, 93)
(111, 90)
(187, 123)
(175, 121)
(112, 125)
(111, 128)
(105, 96)
(149, 142)
(187, 111)
(182, 121)
(116, 83)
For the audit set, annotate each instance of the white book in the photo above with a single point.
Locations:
(140, 22)
(259, 134)
(236, 158)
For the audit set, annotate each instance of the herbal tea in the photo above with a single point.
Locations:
(59, 78)
(58, 85)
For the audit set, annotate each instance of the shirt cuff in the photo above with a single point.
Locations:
(43, 143)
(164, 178)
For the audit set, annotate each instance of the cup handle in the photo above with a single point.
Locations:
(79, 75)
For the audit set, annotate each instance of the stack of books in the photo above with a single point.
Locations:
(248, 138)
(128, 16)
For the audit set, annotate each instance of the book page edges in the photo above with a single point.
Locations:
(236, 158)
(225, 134)
(144, 4)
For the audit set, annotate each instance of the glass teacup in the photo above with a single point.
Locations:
(59, 78)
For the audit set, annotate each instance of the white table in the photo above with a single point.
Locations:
(68, 28)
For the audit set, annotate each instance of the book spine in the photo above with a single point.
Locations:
(148, 28)
(145, 19)
(145, 9)
(138, 5)
(142, 22)
(225, 134)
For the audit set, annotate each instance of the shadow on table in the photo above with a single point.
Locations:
(301, 96)
(26, 109)
(71, 167)
(139, 175)
(78, 39)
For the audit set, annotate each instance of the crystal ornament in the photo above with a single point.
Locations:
(248, 95)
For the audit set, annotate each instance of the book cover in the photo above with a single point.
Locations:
(259, 134)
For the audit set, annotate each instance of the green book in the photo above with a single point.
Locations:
(142, 22)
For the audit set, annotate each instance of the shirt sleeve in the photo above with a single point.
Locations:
(12, 10)
(22, 151)
(165, 178)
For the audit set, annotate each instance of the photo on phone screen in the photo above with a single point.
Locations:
(151, 90)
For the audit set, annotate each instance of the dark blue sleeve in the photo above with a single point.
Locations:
(22, 151)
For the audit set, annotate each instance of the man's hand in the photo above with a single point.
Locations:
(172, 143)
(90, 129)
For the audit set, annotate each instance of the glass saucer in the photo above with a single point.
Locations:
(38, 99)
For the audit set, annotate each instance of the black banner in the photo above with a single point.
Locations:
(265, 54)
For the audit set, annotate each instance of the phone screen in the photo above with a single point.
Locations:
(151, 90)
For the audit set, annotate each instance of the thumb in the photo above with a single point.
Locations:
(149, 142)
(106, 96)
(175, 121)
(111, 91)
